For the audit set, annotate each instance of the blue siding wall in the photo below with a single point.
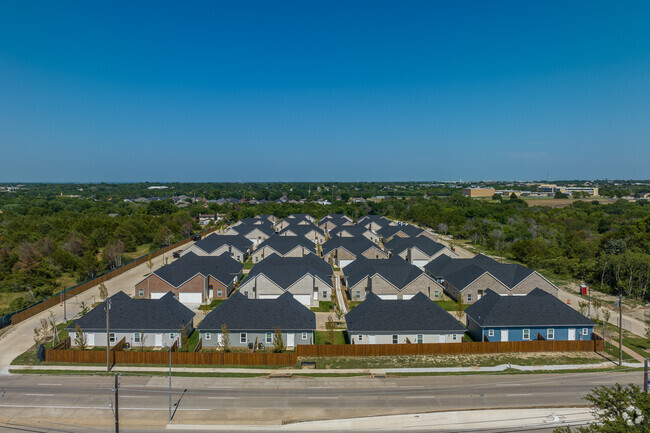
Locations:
(516, 334)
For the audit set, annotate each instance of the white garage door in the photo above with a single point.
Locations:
(407, 297)
(420, 263)
(157, 295)
(190, 298)
(268, 296)
(387, 297)
(344, 263)
(303, 299)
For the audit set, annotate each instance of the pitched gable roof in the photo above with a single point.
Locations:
(245, 229)
(429, 247)
(284, 244)
(388, 231)
(239, 313)
(214, 241)
(223, 268)
(128, 314)
(300, 230)
(395, 270)
(285, 271)
(353, 230)
(416, 314)
(537, 308)
(355, 246)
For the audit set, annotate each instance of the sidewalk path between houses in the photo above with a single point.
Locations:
(339, 294)
(291, 371)
(472, 420)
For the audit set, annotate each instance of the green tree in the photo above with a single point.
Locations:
(103, 291)
(185, 339)
(329, 325)
(80, 338)
(460, 307)
(225, 338)
(278, 342)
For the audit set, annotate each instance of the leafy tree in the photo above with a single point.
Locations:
(84, 309)
(80, 338)
(225, 338)
(278, 342)
(329, 325)
(185, 340)
(460, 307)
(616, 409)
(103, 291)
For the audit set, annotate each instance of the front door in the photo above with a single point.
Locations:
(504, 335)
(372, 339)
(572, 334)
(443, 339)
(90, 339)
(291, 340)
(158, 340)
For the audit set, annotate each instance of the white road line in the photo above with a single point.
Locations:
(222, 398)
(221, 387)
(50, 384)
(31, 406)
(507, 384)
(411, 386)
(420, 396)
(41, 395)
(317, 397)
(518, 395)
(320, 387)
(134, 396)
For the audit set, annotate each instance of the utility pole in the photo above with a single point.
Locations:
(108, 334)
(620, 329)
(645, 375)
(170, 383)
(589, 304)
(117, 404)
(65, 316)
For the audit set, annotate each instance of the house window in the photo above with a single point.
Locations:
(172, 335)
(585, 331)
(242, 337)
(420, 338)
(550, 334)
(269, 337)
(246, 293)
(111, 338)
(526, 335)
(469, 297)
(141, 293)
(208, 336)
(257, 258)
(238, 257)
(490, 332)
(436, 294)
(220, 292)
(360, 337)
(358, 294)
(304, 335)
(136, 337)
(395, 338)
(454, 337)
(232, 254)
(324, 294)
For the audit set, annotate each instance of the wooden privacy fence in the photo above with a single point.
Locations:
(73, 291)
(594, 345)
(178, 358)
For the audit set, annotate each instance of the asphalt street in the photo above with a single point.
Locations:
(144, 401)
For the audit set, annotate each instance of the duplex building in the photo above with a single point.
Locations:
(389, 232)
(310, 232)
(308, 279)
(256, 233)
(236, 246)
(374, 222)
(341, 251)
(253, 322)
(355, 231)
(535, 316)
(142, 322)
(417, 320)
(194, 279)
(471, 278)
(418, 250)
(284, 246)
(390, 279)
(331, 221)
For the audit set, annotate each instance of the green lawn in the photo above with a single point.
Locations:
(450, 305)
(353, 304)
(323, 307)
(639, 344)
(340, 337)
(248, 264)
(214, 304)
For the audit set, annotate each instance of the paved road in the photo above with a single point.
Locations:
(144, 400)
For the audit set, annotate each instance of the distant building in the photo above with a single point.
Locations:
(478, 192)
(570, 190)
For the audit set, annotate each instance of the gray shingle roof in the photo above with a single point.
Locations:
(537, 308)
(128, 314)
(461, 272)
(284, 244)
(395, 270)
(429, 247)
(215, 241)
(239, 313)
(301, 230)
(388, 231)
(223, 268)
(285, 271)
(353, 230)
(244, 229)
(356, 246)
(416, 314)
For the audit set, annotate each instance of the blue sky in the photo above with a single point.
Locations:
(305, 90)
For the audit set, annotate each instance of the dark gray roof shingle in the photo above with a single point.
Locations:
(284, 244)
(388, 231)
(223, 268)
(537, 308)
(395, 270)
(215, 241)
(239, 313)
(429, 247)
(416, 314)
(128, 314)
(285, 271)
(356, 245)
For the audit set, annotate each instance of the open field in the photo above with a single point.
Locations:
(564, 202)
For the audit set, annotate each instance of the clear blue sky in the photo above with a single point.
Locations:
(306, 90)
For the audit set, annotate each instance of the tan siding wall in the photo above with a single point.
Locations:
(484, 282)
(422, 284)
(154, 283)
(375, 253)
(532, 282)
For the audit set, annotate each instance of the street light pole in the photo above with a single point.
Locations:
(170, 384)
(620, 329)
(117, 405)
(65, 316)
(108, 334)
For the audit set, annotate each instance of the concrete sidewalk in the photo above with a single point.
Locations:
(292, 371)
(470, 420)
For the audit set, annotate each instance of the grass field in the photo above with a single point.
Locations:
(450, 305)
(564, 202)
(323, 307)
(340, 337)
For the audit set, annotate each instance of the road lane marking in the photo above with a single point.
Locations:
(320, 387)
(50, 384)
(508, 384)
(31, 406)
(322, 397)
(134, 396)
(222, 398)
(420, 396)
(41, 395)
(518, 395)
